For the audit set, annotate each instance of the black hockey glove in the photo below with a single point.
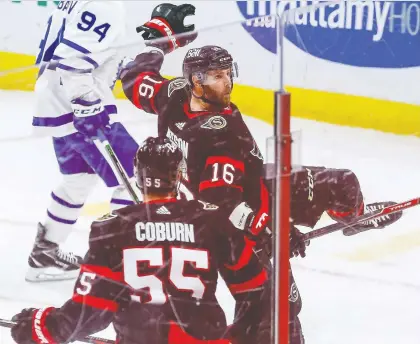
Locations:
(30, 326)
(378, 223)
(297, 244)
(168, 21)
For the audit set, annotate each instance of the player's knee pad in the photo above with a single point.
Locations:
(121, 197)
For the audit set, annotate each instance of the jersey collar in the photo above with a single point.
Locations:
(192, 114)
(165, 200)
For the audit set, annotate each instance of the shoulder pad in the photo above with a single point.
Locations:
(104, 227)
(176, 84)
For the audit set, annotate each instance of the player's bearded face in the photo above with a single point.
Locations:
(218, 86)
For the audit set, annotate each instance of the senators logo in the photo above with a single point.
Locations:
(215, 122)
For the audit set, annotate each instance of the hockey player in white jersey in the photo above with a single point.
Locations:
(79, 66)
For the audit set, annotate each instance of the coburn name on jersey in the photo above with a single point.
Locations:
(165, 231)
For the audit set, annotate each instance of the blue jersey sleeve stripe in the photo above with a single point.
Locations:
(72, 69)
(75, 46)
(91, 61)
(82, 50)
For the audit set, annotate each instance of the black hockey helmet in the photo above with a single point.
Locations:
(157, 165)
(210, 57)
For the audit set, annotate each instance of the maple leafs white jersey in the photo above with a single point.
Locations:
(78, 55)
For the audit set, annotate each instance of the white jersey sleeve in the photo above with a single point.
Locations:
(79, 58)
(89, 40)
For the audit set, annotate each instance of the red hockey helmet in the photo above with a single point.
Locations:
(157, 165)
(198, 61)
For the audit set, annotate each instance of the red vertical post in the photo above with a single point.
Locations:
(284, 166)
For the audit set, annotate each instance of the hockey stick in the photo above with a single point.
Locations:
(117, 164)
(87, 339)
(366, 217)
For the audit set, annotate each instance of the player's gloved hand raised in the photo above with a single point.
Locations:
(168, 21)
(89, 116)
(30, 326)
(297, 244)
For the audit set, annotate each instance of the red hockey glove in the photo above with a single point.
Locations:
(30, 326)
(168, 21)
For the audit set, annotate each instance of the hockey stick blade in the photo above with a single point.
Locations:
(87, 339)
(366, 217)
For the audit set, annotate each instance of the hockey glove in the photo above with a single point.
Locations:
(168, 21)
(297, 244)
(30, 326)
(378, 223)
(89, 116)
(242, 217)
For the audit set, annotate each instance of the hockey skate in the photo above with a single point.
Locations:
(48, 262)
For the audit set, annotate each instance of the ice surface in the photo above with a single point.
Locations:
(361, 289)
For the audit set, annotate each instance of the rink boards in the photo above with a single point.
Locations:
(370, 280)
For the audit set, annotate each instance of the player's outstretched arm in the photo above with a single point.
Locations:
(98, 293)
(142, 82)
(344, 199)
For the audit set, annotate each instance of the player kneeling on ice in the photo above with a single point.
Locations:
(152, 270)
(315, 190)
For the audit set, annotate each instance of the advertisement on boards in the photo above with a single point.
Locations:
(375, 34)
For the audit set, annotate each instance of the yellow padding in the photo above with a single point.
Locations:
(335, 108)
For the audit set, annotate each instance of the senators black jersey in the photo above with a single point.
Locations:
(223, 161)
(153, 267)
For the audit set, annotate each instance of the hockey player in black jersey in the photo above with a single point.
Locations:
(152, 270)
(223, 163)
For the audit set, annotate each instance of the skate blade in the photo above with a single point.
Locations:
(49, 274)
